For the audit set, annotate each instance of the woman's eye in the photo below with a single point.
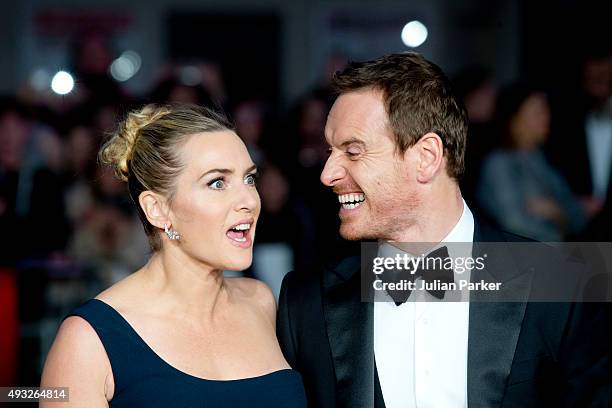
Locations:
(352, 152)
(250, 180)
(217, 184)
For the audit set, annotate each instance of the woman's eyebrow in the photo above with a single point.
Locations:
(222, 171)
(251, 169)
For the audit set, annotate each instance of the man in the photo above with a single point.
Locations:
(397, 141)
(581, 143)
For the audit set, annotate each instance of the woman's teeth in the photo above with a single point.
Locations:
(351, 201)
(238, 233)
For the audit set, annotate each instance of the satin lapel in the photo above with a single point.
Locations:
(494, 327)
(379, 401)
(351, 336)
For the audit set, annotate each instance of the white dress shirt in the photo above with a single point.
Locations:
(421, 347)
(599, 146)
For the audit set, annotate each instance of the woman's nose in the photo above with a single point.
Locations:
(248, 199)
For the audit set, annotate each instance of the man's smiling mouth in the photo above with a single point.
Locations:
(351, 201)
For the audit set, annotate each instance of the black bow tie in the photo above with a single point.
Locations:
(431, 270)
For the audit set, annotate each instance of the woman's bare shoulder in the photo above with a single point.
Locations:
(79, 341)
(77, 349)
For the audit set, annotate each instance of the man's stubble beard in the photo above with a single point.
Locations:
(384, 224)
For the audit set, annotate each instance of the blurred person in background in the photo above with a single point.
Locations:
(212, 80)
(14, 135)
(177, 332)
(104, 120)
(15, 128)
(199, 83)
(107, 239)
(336, 61)
(581, 144)
(32, 216)
(518, 188)
(598, 229)
(31, 197)
(47, 207)
(92, 56)
(311, 123)
(475, 87)
(173, 90)
(250, 126)
(79, 166)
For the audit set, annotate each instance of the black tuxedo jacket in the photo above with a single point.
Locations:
(520, 354)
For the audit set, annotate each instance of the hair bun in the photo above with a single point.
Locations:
(118, 150)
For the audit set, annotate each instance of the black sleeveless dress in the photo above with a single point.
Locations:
(143, 379)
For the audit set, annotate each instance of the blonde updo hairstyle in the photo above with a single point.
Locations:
(144, 151)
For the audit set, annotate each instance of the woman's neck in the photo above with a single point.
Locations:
(184, 285)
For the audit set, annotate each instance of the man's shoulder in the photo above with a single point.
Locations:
(512, 237)
(525, 250)
(308, 279)
(486, 230)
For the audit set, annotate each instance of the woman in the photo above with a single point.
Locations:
(177, 332)
(518, 188)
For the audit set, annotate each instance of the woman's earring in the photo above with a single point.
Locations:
(172, 234)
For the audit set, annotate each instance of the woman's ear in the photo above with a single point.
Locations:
(430, 157)
(155, 208)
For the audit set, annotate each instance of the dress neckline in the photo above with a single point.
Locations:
(173, 368)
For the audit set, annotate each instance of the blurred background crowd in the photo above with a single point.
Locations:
(536, 80)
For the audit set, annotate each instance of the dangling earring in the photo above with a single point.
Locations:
(172, 234)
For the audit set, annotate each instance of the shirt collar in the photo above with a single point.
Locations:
(463, 231)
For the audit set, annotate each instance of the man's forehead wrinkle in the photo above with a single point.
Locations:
(349, 133)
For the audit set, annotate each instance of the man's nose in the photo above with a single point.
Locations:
(333, 172)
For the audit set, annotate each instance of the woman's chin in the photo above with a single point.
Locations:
(239, 264)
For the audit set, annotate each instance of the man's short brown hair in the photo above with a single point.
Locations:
(418, 100)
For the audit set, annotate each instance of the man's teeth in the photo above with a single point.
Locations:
(351, 198)
(351, 201)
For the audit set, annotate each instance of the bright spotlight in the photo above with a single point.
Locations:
(62, 83)
(126, 66)
(134, 57)
(414, 34)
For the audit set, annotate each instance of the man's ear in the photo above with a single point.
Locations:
(430, 157)
(155, 208)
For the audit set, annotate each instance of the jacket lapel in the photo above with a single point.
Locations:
(494, 327)
(349, 325)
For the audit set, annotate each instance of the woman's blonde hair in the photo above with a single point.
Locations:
(144, 151)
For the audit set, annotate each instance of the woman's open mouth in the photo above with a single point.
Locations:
(240, 233)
